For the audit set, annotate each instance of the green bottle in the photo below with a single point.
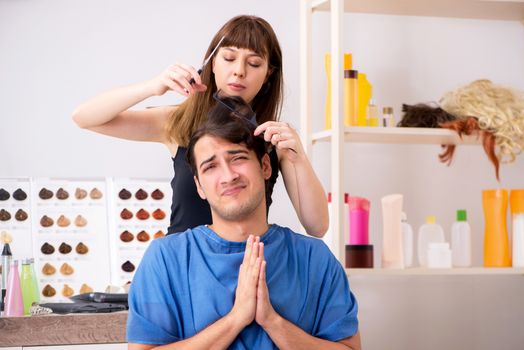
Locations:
(29, 285)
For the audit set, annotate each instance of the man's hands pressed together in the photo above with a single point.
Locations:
(252, 296)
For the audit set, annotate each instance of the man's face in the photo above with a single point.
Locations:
(230, 177)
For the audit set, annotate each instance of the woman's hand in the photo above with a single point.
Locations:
(284, 138)
(176, 77)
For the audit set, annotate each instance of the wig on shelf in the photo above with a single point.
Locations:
(494, 113)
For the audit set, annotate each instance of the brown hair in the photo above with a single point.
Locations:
(227, 125)
(247, 32)
(469, 126)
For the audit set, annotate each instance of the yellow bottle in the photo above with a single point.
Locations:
(350, 98)
(372, 114)
(348, 61)
(364, 95)
(496, 241)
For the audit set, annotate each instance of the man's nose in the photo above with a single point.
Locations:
(228, 174)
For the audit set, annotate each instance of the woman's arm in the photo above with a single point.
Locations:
(109, 114)
(302, 184)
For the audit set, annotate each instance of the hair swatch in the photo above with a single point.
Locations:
(159, 234)
(45, 193)
(85, 289)
(141, 194)
(80, 221)
(143, 236)
(4, 215)
(126, 214)
(126, 236)
(46, 221)
(95, 193)
(67, 291)
(19, 195)
(48, 291)
(48, 269)
(142, 214)
(81, 248)
(157, 194)
(124, 194)
(62, 194)
(65, 248)
(47, 249)
(80, 193)
(66, 269)
(21, 215)
(63, 221)
(128, 266)
(4, 195)
(159, 214)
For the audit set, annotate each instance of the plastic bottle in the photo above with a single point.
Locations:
(328, 237)
(28, 284)
(461, 240)
(350, 97)
(327, 67)
(439, 255)
(430, 232)
(14, 306)
(496, 240)
(364, 94)
(358, 221)
(516, 199)
(392, 251)
(407, 241)
(372, 114)
(388, 117)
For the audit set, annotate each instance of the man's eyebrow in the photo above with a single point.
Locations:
(237, 151)
(210, 159)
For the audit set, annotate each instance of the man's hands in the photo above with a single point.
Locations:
(252, 295)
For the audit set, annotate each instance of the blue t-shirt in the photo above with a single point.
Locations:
(187, 281)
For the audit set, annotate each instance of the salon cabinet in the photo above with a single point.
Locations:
(64, 332)
(339, 135)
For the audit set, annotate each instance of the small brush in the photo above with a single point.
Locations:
(7, 256)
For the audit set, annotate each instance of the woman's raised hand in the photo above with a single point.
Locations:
(176, 77)
(283, 137)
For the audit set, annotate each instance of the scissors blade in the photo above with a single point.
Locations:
(192, 81)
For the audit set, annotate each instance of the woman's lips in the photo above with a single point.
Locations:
(236, 87)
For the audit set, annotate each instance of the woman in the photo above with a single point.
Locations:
(248, 64)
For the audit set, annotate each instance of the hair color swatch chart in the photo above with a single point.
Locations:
(84, 234)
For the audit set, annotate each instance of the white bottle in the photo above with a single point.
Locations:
(461, 240)
(329, 238)
(430, 232)
(407, 241)
(439, 255)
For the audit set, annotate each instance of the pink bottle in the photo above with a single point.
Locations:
(14, 305)
(358, 221)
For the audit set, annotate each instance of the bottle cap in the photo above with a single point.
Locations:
(403, 217)
(14, 263)
(462, 215)
(387, 110)
(351, 74)
(431, 219)
(26, 261)
(329, 197)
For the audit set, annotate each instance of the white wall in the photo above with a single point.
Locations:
(55, 54)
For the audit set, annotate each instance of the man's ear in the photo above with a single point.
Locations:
(199, 188)
(266, 166)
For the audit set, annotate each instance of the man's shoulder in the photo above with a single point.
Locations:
(298, 240)
(176, 241)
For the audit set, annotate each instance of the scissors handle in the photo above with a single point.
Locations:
(192, 81)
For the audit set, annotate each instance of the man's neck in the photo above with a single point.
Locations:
(238, 231)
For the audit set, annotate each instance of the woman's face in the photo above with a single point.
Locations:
(239, 72)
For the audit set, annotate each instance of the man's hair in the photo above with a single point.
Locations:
(228, 125)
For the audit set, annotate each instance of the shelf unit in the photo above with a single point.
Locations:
(474, 9)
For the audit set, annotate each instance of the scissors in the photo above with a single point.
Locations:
(192, 81)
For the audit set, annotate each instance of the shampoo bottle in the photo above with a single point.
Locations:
(407, 241)
(430, 232)
(392, 252)
(461, 240)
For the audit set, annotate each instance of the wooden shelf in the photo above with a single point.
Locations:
(418, 271)
(473, 9)
(399, 135)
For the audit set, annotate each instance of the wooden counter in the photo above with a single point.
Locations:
(63, 329)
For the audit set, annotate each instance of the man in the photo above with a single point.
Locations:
(238, 283)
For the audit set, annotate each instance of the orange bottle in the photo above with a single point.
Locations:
(496, 241)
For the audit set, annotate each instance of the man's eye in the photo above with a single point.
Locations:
(239, 158)
(208, 168)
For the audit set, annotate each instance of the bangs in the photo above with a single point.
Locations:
(248, 35)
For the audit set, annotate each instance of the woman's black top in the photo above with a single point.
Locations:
(188, 210)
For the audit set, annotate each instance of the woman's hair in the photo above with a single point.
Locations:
(228, 125)
(246, 32)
